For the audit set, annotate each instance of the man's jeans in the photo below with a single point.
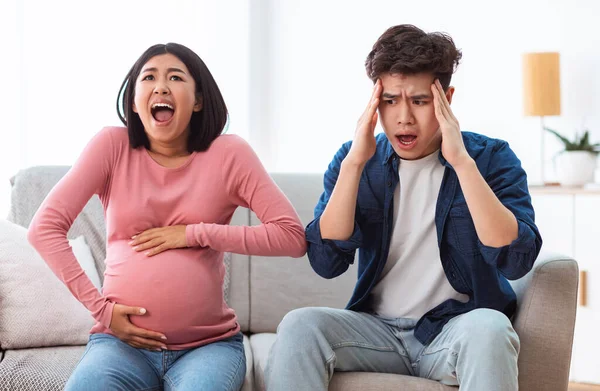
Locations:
(110, 364)
(477, 350)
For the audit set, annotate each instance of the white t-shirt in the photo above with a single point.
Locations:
(413, 280)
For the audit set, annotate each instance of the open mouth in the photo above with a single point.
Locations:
(406, 139)
(162, 112)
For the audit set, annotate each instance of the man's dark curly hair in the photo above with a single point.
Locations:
(408, 50)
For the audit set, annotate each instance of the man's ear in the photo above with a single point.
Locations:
(449, 94)
(198, 104)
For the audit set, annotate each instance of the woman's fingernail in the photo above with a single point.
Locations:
(142, 311)
(163, 337)
(133, 237)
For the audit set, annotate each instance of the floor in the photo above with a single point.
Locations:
(583, 387)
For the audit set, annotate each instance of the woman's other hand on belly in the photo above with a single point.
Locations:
(156, 240)
(135, 336)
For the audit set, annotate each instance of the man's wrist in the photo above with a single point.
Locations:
(465, 166)
(350, 164)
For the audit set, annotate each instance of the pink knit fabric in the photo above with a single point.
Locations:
(181, 289)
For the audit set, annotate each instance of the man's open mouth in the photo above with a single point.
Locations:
(406, 139)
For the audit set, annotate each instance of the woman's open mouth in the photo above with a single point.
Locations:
(162, 112)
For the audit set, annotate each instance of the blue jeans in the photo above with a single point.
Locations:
(110, 364)
(477, 350)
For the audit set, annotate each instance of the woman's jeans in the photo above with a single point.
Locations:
(110, 364)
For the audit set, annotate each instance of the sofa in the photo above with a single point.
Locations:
(263, 289)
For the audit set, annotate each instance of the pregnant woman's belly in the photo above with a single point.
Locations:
(181, 290)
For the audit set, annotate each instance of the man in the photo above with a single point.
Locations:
(441, 218)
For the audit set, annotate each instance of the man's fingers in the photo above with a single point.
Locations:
(436, 103)
(374, 121)
(446, 109)
(373, 103)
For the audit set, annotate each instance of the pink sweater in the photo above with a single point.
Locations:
(181, 289)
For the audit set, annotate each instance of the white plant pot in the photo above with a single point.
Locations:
(575, 168)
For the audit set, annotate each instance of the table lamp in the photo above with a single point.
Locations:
(541, 91)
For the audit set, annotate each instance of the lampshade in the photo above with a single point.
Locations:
(541, 84)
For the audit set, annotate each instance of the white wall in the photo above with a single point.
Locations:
(319, 86)
(66, 59)
(10, 101)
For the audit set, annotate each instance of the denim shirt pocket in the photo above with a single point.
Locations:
(465, 236)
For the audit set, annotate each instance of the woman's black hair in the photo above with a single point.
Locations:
(205, 125)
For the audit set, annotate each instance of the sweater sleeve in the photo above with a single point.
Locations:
(249, 185)
(49, 227)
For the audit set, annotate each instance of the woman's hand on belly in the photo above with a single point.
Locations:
(135, 336)
(157, 240)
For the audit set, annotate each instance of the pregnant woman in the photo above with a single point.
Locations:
(169, 182)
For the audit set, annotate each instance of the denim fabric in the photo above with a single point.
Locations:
(477, 350)
(110, 364)
(471, 267)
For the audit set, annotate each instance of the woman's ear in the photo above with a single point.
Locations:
(198, 104)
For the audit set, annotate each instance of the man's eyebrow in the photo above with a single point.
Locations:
(387, 95)
(420, 96)
(169, 70)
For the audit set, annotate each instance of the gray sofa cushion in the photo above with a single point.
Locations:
(49, 369)
(45, 369)
(343, 381)
(359, 381)
(36, 309)
(281, 284)
(29, 189)
(545, 321)
(239, 277)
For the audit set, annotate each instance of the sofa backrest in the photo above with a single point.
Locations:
(30, 187)
(281, 284)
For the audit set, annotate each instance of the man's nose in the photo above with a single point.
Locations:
(405, 115)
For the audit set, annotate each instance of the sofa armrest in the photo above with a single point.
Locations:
(545, 322)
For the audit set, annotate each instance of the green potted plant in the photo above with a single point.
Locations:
(575, 165)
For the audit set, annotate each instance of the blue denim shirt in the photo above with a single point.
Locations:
(472, 268)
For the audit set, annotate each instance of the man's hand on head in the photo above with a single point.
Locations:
(364, 144)
(453, 147)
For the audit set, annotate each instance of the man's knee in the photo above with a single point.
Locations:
(486, 327)
(303, 325)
